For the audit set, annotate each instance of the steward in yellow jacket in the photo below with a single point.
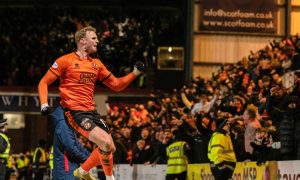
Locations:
(177, 159)
(4, 148)
(39, 161)
(220, 151)
(22, 166)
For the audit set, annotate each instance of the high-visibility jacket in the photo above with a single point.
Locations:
(10, 162)
(5, 154)
(41, 161)
(220, 148)
(26, 161)
(20, 163)
(51, 158)
(177, 160)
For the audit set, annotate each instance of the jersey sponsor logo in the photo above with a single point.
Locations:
(87, 78)
(55, 65)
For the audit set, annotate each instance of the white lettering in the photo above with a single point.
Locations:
(37, 101)
(51, 101)
(23, 99)
(7, 100)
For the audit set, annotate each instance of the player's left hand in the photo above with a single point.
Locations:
(139, 67)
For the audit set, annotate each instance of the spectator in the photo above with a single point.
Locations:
(141, 152)
(204, 105)
(200, 144)
(261, 146)
(238, 141)
(252, 123)
(289, 129)
(159, 156)
(120, 155)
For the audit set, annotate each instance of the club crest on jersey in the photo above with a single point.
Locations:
(55, 65)
(95, 65)
(86, 123)
(76, 66)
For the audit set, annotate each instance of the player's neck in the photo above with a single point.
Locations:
(82, 54)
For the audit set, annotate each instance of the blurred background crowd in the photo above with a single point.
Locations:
(42, 34)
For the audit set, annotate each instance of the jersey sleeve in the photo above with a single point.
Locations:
(60, 66)
(104, 73)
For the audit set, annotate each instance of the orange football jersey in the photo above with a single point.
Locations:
(77, 80)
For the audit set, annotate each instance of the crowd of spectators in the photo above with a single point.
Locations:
(256, 95)
(34, 36)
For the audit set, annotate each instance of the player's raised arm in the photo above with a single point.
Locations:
(118, 84)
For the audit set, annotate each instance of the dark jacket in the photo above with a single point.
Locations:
(140, 156)
(65, 146)
(239, 148)
(289, 129)
(3, 144)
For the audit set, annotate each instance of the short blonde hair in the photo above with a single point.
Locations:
(82, 32)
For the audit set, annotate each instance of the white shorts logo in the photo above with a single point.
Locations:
(55, 65)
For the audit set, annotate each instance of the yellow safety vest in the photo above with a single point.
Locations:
(51, 158)
(20, 163)
(42, 160)
(220, 148)
(26, 161)
(10, 162)
(177, 161)
(5, 155)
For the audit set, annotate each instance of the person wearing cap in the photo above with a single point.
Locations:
(4, 148)
(220, 151)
